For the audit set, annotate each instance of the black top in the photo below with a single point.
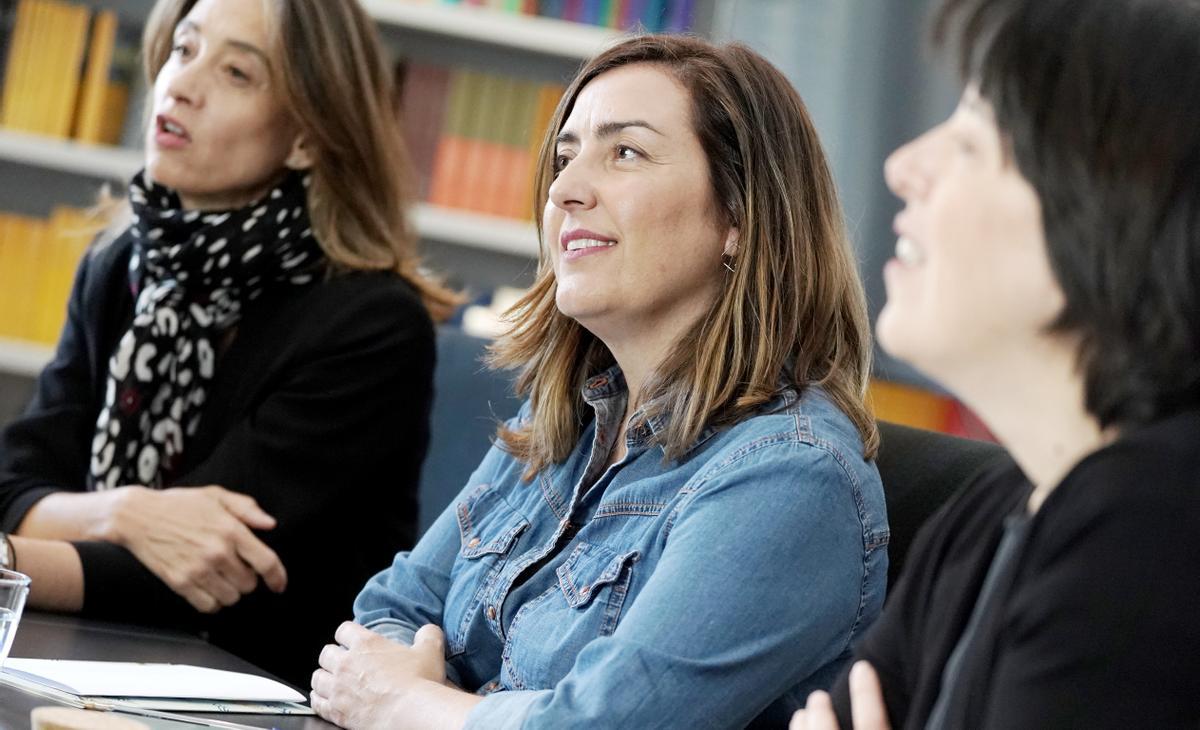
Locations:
(319, 410)
(1100, 626)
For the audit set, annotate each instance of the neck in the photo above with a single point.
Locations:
(1033, 401)
(641, 350)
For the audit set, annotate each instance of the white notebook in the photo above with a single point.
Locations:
(159, 686)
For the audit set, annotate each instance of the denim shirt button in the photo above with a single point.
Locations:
(585, 590)
(474, 543)
(491, 686)
(491, 613)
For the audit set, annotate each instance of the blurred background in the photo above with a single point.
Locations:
(477, 82)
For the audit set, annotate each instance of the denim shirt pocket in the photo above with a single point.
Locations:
(585, 603)
(489, 529)
(588, 571)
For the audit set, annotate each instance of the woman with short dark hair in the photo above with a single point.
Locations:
(1046, 272)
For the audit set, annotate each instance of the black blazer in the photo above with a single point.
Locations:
(319, 410)
(1099, 624)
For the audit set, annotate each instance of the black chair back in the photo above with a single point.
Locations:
(469, 401)
(921, 470)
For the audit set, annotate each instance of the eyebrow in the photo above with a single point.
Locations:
(192, 25)
(605, 130)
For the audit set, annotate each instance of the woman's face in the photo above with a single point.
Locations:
(971, 276)
(219, 134)
(631, 223)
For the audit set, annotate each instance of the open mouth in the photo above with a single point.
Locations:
(170, 126)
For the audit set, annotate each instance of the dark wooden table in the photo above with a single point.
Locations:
(50, 636)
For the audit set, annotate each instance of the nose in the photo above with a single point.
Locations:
(184, 82)
(906, 170)
(573, 189)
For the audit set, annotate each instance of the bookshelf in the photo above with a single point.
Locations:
(534, 34)
(464, 228)
(25, 359)
(477, 250)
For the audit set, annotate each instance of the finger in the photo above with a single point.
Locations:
(220, 562)
(819, 712)
(219, 587)
(866, 698)
(321, 705)
(429, 638)
(330, 659)
(799, 720)
(262, 559)
(199, 598)
(245, 508)
(322, 683)
(350, 634)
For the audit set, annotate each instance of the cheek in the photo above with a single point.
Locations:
(552, 220)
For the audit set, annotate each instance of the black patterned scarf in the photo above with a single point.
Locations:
(192, 273)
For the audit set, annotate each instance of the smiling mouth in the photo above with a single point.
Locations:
(579, 244)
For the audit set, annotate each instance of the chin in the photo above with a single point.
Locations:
(901, 336)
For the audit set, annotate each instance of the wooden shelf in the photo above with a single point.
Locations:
(504, 235)
(100, 162)
(23, 358)
(547, 36)
(110, 163)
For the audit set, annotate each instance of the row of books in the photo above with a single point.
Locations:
(66, 71)
(38, 258)
(474, 136)
(655, 16)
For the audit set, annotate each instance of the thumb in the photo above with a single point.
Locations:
(429, 637)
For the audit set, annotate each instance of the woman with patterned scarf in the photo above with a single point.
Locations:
(241, 392)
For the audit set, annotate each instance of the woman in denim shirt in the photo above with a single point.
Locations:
(683, 527)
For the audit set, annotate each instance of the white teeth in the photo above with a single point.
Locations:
(582, 243)
(173, 128)
(908, 252)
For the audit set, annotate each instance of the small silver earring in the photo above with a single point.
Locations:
(725, 263)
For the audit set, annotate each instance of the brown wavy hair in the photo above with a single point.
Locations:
(338, 86)
(793, 308)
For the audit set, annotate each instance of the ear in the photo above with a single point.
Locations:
(731, 242)
(299, 158)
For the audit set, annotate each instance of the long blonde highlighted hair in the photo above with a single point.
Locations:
(793, 308)
(338, 86)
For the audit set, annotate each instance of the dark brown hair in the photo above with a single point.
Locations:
(794, 309)
(1098, 103)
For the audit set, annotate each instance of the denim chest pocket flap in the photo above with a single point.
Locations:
(487, 524)
(589, 569)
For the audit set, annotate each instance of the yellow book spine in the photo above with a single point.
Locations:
(89, 124)
(26, 236)
(36, 102)
(18, 61)
(7, 277)
(116, 104)
(73, 42)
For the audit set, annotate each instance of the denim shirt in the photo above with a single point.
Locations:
(695, 592)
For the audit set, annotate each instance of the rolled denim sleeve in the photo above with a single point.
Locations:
(761, 586)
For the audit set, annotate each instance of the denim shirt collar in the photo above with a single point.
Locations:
(611, 384)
